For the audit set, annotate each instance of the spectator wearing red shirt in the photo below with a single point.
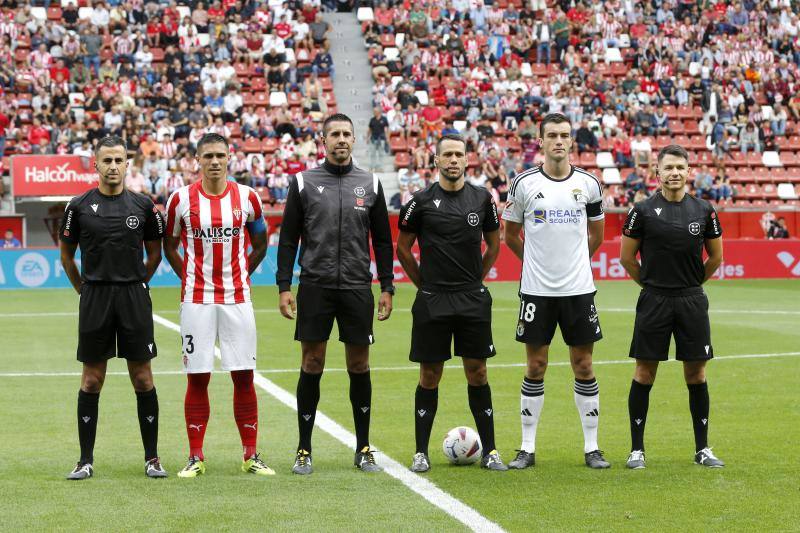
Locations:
(59, 68)
(38, 133)
(294, 165)
(283, 29)
(384, 18)
(431, 121)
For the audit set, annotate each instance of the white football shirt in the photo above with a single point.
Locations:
(555, 215)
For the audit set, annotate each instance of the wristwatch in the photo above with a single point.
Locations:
(389, 289)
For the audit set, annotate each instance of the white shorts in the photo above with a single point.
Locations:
(203, 324)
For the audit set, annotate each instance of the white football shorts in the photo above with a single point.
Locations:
(234, 325)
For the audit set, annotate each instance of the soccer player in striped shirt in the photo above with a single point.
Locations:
(216, 220)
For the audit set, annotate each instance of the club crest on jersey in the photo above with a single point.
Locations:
(237, 213)
(359, 192)
(579, 196)
(473, 219)
(132, 222)
(694, 228)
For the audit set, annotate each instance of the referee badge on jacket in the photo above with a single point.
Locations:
(132, 222)
(473, 219)
(694, 228)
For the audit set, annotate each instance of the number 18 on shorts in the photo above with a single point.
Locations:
(203, 324)
(575, 315)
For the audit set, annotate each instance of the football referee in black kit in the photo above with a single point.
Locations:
(670, 230)
(335, 209)
(110, 224)
(451, 218)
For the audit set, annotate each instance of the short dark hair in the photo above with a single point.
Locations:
(673, 149)
(336, 117)
(110, 141)
(451, 137)
(553, 118)
(211, 138)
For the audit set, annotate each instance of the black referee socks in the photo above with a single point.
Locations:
(699, 407)
(307, 400)
(87, 423)
(426, 401)
(361, 398)
(147, 407)
(480, 403)
(638, 404)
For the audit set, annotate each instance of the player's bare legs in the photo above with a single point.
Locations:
(141, 375)
(93, 376)
(537, 361)
(357, 357)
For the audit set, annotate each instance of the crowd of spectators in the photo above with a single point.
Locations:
(720, 77)
(160, 75)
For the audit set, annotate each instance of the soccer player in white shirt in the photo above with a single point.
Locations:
(560, 208)
(217, 220)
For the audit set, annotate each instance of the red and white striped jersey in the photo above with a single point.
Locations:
(212, 232)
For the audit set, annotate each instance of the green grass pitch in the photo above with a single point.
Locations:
(754, 428)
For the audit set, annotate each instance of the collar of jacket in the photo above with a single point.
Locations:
(338, 170)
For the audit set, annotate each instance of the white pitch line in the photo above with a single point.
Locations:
(436, 496)
(407, 310)
(395, 368)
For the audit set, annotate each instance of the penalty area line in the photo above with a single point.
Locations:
(455, 508)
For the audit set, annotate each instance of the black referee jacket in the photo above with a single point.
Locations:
(332, 211)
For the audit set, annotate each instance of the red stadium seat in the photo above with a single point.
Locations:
(53, 13)
(158, 55)
(251, 145)
(398, 144)
(270, 145)
(472, 160)
(402, 160)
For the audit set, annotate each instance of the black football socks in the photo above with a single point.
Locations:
(480, 403)
(638, 404)
(147, 408)
(361, 400)
(307, 400)
(87, 424)
(426, 401)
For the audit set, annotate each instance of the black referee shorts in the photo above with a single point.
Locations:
(317, 307)
(661, 315)
(460, 318)
(115, 319)
(575, 315)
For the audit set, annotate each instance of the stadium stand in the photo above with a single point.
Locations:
(162, 74)
(720, 78)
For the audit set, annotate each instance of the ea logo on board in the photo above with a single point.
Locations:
(472, 219)
(32, 269)
(132, 222)
(694, 228)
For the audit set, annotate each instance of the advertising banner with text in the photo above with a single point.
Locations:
(52, 175)
(744, 259)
